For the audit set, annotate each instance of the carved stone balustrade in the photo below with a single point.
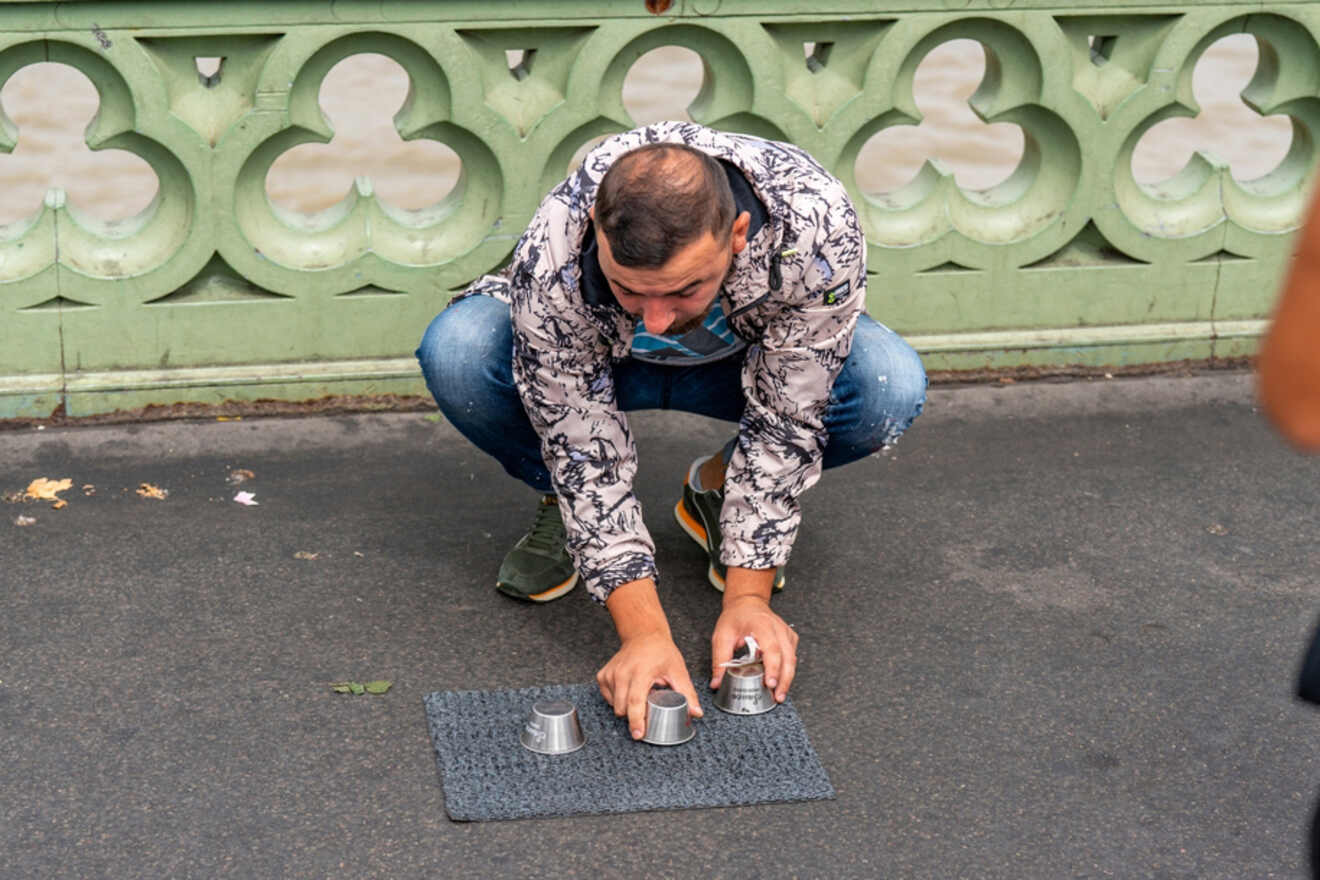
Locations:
(214, 293)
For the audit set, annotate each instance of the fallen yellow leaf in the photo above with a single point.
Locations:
(60, 504)
(42, 489)
(146, 490)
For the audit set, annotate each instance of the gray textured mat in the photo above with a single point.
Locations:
(732, 760)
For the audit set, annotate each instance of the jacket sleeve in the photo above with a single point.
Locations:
(787, 379)
(561, 365)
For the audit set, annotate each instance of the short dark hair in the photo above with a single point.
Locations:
(658, 198)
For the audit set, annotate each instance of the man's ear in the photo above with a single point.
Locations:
(591, 212)
(738, 238)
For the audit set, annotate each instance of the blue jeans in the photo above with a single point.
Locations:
(466, 357)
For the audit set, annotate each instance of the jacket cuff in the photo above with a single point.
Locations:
(735, 551)
(605, 577)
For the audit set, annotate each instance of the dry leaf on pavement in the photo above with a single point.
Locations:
(303, 554)
(42, 489)
(146, 490)
(242, 475)
(25, 520)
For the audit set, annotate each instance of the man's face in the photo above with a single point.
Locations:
(674, 298)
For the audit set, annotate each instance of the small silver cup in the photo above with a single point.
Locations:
(553, 728)
(667, 721)
(743, 691)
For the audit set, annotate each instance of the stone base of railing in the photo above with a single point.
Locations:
(950, 355)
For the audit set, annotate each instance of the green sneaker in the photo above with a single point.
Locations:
(538, 568)
(698, 514)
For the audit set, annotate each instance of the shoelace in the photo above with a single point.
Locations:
(547, 529)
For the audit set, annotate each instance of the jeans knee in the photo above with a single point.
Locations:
(884, 362)
(880, 392)
(464, 345)
(907, 381)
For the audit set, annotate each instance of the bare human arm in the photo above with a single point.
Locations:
(647, 655)
(1290, 355)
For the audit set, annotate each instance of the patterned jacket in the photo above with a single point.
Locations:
(794, 294)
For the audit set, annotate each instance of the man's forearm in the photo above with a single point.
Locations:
(636, 610)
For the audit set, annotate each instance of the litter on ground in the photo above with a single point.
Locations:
(43, 489)
(146, 490)
(241, 475)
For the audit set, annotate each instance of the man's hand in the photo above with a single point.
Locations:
(644, 661)
(647, 657)
(747, 612)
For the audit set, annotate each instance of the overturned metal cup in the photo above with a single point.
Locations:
(552, 728)
(667, 721)
(743, 691)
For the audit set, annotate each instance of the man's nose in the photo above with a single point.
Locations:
(657, 317)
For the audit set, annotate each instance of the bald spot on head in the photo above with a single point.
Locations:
(682, 169)
(659, 197)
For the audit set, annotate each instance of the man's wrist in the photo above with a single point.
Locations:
(636, 611)
(743, 583)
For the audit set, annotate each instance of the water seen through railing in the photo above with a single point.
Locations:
(51, 105)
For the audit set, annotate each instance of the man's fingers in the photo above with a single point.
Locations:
(721, 651)
(603, 682)
(787, 671)
(683, 684)
(770, 659)
(619, 698)
(637, 710)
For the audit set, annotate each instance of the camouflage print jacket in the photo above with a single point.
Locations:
(794, 294)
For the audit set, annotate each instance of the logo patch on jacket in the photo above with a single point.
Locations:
(834, 294)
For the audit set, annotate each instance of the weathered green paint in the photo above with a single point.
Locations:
(213, 294)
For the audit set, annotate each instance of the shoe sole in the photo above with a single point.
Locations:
(697, 532)
(544, 596)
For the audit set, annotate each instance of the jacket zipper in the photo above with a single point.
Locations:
(776, 281)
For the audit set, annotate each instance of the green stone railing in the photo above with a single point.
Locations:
(214, 293)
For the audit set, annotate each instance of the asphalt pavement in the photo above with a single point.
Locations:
(1051, 634)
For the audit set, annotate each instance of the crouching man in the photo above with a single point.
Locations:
(687, 269)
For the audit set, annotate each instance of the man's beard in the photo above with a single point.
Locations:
(688, 326)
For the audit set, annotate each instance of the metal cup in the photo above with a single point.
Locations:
(743, 691)
(553, 728)
(667, 721)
